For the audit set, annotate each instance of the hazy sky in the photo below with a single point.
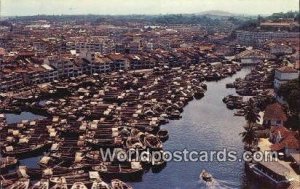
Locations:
(34, 7)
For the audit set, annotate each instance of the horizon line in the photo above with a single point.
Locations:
(160, 14)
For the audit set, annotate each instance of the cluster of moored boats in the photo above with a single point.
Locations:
(259, 79)
(23, 179)
(258, 85)
(120, 111)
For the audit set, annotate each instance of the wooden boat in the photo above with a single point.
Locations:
(72, 177)
(134, 143)
(7, 163)
(42, 184)
(58, 171)
(93, 155)
(230, 85)
(59, 183)
(204, 86)
(159, 164)
(24, 151)
(199, 93)
(207, 177)
(20, 184)
(46, 161)
(99, 184)
(5, 183)
(118, 184)
(68, 173)
(104, 143)
(32, 173)
(239, 113)
(163, 119)
(9, 178)
(152, 142)
(175, 114)
(132, 172)
(230, 105)
(78, 185)
(272, 174)
(22, 171)
(163, 135)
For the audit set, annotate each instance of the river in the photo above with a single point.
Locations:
(206, 124)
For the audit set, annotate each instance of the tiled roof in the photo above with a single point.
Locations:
(116, 57)
(284, 132)
(254, 53)
(274, 112)
(288, 142)
(287, 69)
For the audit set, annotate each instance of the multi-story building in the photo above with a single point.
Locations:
(100, 64)
(253, 56)
(119, 62)
(252, 38)
(66, 66)
(280, 49)
(274, 115)
(283, 75)
(136, 62)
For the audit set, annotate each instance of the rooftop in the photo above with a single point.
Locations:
(287, 69)
(289, 141)
(255, 53)
(275, 112)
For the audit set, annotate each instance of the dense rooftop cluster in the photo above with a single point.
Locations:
(111, 84)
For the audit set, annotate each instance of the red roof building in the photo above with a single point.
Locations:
(284, 140)
(274, 115)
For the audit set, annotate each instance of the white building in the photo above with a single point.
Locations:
(284, 74)
(94, 46)
(280, 49)
(249, 37)
(253, 56)
(100, 64)
(66, 66)
(274, 115)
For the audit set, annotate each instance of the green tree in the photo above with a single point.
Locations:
(251, 116)
(290, 91)
(248, 137)
(251, 113)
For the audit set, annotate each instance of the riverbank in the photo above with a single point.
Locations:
(205, 125)
(129, 107)
(270, 129)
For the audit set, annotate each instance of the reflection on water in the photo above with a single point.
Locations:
(15, 118)
(215, 184)
(206, 125)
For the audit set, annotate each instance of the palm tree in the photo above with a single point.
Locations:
(251, 115)
(248, 137)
